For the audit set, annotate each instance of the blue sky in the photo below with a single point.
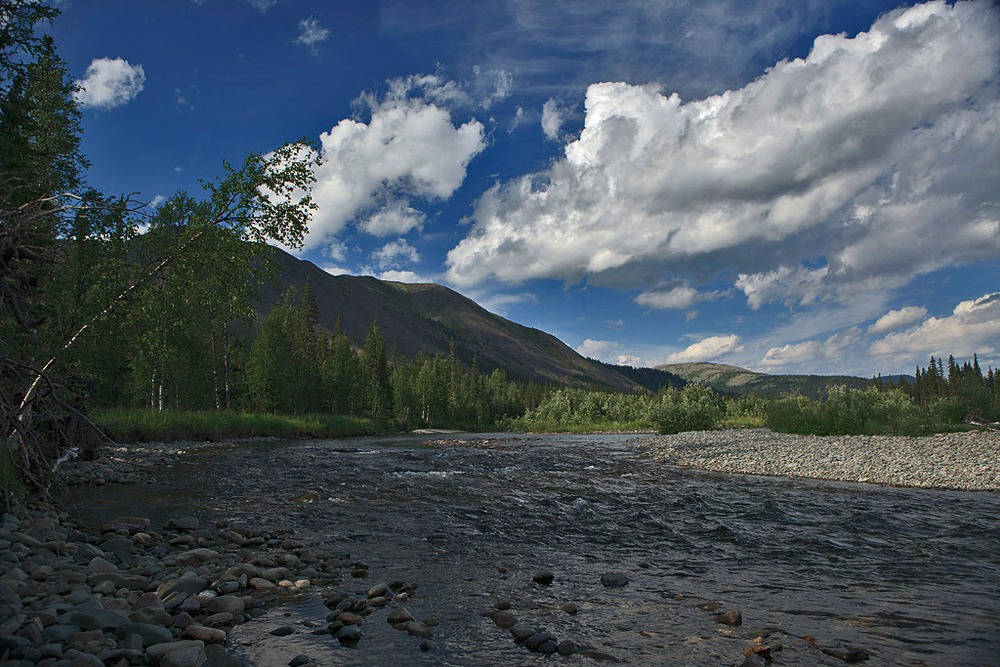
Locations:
(804, 187)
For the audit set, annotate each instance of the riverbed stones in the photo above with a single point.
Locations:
(967, 461)
(614, 580)
(543, 578)
(134, 594)
(731, 618)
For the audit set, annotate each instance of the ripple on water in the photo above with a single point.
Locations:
(910, 575)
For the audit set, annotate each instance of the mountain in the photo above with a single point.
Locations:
(735, 380)
(428, 318)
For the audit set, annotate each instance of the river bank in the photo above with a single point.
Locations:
(472, 519)
(967, 461)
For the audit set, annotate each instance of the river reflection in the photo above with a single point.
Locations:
(911, 576)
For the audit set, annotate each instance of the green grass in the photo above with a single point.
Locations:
(131, 425)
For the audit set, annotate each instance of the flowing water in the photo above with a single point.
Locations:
(910, 576)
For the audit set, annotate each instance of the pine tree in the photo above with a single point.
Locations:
(376, 377)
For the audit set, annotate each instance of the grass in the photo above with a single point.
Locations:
(132, 425)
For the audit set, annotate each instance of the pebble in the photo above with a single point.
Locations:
(968, 461)
(139, 594)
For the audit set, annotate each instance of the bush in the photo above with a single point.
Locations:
(695, 408)
(848, 411)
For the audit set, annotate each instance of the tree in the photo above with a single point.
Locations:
(375, 369)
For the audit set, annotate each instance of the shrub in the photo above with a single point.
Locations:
(695, 408)
(847, 411)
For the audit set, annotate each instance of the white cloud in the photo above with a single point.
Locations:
(679, 297)
(878, 153)
(262, 5)
(491, 85)
(311, 33)
(598, 349)
(553, 117)
(410, 147)
(898, 318)
(973, 326)
(110, 83)
(808, 353)
(707, 349)
(396, 217)
(402, 276)
(392, 254)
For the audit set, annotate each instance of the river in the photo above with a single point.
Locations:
(910, 576)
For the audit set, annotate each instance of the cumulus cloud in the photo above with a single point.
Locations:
(973, 326)
(392, 254)
(678, 297)
(553, 117)
(808, 352)
(878, 153)
(396, 217)
(110, 83)
(707, 349)
(608, 351)
(409, 148)
(311, 33)
(898, 318)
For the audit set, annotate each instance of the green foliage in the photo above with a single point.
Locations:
(694, 408)
(572, 409)
(132, 425)
(847, 411)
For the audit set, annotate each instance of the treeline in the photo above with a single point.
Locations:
(939, 400)
(294, 367)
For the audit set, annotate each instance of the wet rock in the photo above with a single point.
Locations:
(192, 656)
(283, 631)
(520, 633)
(543, 578)
(732, 618)
(541, 642)
(503, 618)
(399, 616)
(614, 579)
(205, 634)
(151, 634)
(567, 647)
(184, 523)
(96, 619)
(348, 635)
(754, 660)
(218, 656)
(850, 655)
(197, 556)
(300, 661)
(417, 629)
(185, 585)
(379, 590)
(226, 604)
(570, 608)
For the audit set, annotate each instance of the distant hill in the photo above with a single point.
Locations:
(735, 380)
(428, 317)
(653, 379)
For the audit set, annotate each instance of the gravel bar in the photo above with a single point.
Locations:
(968, 461)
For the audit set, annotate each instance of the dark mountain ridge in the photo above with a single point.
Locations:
(428, 318)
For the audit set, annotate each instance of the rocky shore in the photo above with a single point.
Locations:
(968, 461)
(132, 593)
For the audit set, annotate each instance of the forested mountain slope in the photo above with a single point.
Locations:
(428, 318)
(735, 380)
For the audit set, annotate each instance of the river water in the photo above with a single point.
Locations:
(910, 576)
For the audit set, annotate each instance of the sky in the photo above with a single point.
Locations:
(790, 187)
